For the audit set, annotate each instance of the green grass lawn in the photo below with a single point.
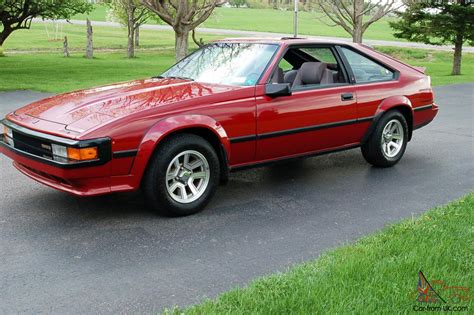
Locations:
(376, 275)
(268, 20)
(53, 73)
(99, 13)
(438, 63)
(37, 38)
(280, 21)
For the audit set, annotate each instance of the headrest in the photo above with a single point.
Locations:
(312, 72)
(290, 76)
(278, 76)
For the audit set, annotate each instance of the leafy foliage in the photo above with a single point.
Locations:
(18, 14)
(238, 3)
(132, 14)
(436, 22)
(117, 11)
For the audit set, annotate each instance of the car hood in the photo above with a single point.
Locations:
(82, 110)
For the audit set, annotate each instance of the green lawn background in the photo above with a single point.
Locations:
(54, 73)
(34, 57)
(276, 21)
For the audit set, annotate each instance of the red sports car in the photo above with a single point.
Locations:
(232, 104)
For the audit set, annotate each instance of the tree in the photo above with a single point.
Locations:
(438, 22)
(349, 14)
(132, 14)
(18, 14)
(184, 16)
(238, 3)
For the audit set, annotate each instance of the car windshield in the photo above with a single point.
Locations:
(225, 63)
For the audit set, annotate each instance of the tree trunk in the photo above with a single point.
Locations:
(358, 20)
(4, 34)
(137, 36)
(3, 37)
(181, 44)
(357, 35)
(90, 46)
(131, 37)
(457, 55)
(66, 47)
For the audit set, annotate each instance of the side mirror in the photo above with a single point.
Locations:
(277, 89)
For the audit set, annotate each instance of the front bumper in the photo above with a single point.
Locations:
(37, 145)
(83, 178)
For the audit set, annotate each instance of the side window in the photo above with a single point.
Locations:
(309, 67)
(366, 70)
(321, 54)
(285, 65)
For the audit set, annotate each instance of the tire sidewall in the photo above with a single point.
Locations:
(378, 135)
(157, 192)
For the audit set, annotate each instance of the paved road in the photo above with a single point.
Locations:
(228, 32)
(61, 254)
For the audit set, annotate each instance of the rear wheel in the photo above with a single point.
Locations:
(182, 176)
(388, 142)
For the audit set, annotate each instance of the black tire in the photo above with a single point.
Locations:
(155, 184)
(372, 149)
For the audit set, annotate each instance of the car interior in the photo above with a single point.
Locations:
(309, 66)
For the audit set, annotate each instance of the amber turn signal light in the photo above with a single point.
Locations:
(82, 154)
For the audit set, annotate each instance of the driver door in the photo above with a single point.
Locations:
(314, 118)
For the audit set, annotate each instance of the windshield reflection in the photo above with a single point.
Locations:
(225, 63)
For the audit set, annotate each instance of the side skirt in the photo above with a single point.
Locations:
(300, 156)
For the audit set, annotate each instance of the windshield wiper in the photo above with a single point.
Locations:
(173, 77)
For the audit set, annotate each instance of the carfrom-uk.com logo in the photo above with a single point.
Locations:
(438, 296)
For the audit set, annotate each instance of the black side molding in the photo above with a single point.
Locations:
(243, 139)
(124, 154)
(416, 109)
(299, 130)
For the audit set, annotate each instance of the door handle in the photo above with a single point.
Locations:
(347, 97)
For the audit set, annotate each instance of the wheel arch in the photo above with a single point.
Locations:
(399, 103)
(201, 125)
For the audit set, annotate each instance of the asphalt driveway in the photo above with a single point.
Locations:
(61, 254)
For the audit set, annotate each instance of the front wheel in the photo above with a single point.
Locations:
(183, 176)
(388, 142)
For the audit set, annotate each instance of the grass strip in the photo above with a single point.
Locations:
(376, 275)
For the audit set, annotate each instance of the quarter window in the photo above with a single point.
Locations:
(366, 70)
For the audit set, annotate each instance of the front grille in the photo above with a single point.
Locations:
(40, 145)
(32, 145)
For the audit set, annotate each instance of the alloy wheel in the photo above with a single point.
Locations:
(187, 176)
(392, 138)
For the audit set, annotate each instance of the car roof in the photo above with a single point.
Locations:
(284, 40)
